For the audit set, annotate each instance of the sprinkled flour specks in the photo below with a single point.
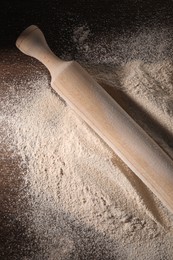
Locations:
(84, 203)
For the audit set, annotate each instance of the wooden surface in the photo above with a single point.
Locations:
(15, 241)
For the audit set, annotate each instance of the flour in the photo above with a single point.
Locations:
(75, 182)
(83, 202)
(80, 37)
(149, 44)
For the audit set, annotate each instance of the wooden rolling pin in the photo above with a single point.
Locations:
(139, 151)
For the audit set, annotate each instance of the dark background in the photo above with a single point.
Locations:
(57, 18)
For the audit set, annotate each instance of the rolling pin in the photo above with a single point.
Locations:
(101, 112)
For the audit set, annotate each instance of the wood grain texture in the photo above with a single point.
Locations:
(89, 100)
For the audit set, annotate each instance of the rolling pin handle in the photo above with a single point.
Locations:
(33, 43)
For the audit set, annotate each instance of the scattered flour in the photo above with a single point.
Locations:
(84, 203)
(80, 37)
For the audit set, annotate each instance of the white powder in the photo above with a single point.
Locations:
(83, 202)
(80, 37)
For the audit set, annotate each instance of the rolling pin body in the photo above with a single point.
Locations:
(139, 151)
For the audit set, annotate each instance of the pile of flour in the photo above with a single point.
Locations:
(84, 203)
